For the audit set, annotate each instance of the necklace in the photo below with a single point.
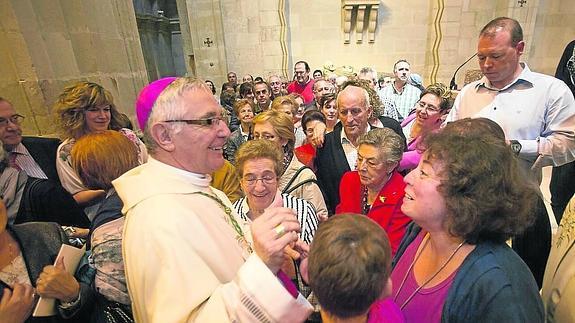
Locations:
(365, 207)
(430, 278)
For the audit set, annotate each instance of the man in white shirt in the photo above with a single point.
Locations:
(188, 256)
(536, 113)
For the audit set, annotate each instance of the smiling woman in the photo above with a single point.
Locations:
(430, 111)
(258, 163)
(84, 108)
(466, 198)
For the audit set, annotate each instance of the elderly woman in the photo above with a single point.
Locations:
(430, 112)
(259, 163)
(99, 158)
(295, 178)
(376, 189)
(27, 255)
(244, 110)
(466, 199)
(83, 108)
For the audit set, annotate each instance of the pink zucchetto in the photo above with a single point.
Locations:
(147, 98)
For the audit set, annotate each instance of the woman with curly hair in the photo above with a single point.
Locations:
(84, 108)
(466, 198)
(430, 112)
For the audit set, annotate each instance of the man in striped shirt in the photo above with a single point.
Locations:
(403, 94)
(34, 155)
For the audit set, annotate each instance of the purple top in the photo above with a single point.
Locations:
(385, 311)
(427, 304)
(412, 156)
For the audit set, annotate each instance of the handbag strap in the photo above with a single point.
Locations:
(287, 188)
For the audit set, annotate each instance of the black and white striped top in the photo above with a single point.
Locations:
(304, 210)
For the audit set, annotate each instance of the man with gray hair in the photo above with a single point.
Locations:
(339, 153)
(188, 256)
(320, 88)
(275, 83)
(368, 74)
(536, 112)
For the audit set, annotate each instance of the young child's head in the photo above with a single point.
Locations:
(349, 265)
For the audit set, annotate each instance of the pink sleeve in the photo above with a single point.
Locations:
(410, 160)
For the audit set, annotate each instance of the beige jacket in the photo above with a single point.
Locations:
(309, 192)
(558, 291)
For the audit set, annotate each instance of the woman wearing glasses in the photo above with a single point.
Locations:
(430, 112)
(376, 188)
(83, 108)
(295, 178)
(259, 163)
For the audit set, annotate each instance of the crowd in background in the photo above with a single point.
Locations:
(325, 197)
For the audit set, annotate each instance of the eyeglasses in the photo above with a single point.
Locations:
(15, 119)
(428, 107)
(214, 121)
(265, 136)
(104, 108)
(266, 179)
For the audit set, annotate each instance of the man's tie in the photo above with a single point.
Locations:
(12, 161)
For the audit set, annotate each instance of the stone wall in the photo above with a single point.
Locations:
(406, 29)
(555, 22)
(47, 45)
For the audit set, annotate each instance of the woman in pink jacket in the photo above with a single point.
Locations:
(430, 112)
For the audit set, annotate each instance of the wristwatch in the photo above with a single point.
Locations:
(515, 147)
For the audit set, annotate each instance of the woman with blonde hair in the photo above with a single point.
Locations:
(295, 178)
(291, 107)
(84, 108)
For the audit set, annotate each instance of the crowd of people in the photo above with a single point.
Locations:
(328, 198)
